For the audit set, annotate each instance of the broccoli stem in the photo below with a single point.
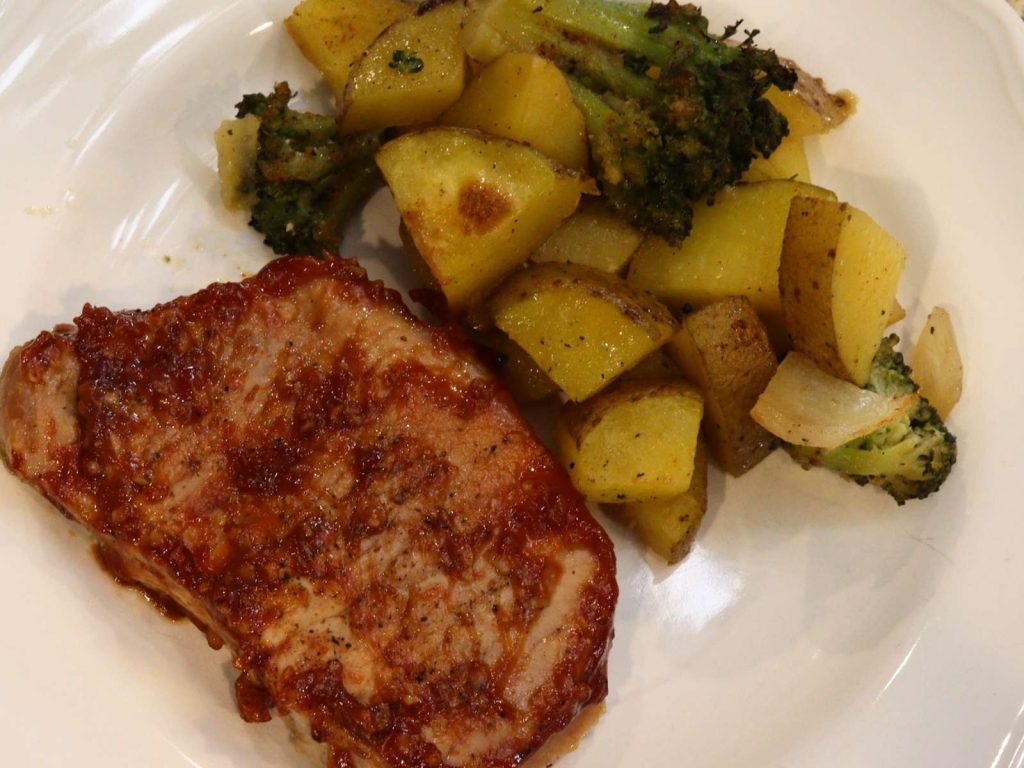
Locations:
(566, 32)
(345, 200)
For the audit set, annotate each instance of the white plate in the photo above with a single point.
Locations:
(815, 622)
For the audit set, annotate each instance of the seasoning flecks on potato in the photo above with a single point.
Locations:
(582, 326)
(636, 441)
(724, 350)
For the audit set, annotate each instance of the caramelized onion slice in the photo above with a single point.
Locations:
(804, 405)
(936, 364)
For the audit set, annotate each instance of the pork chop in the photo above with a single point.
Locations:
(340, 493)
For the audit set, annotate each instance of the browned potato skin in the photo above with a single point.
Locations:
(724, 349)
(838, 275)
(807, 293)
(669, 526)
(733, 250)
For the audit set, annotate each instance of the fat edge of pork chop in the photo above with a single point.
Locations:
(340, 493)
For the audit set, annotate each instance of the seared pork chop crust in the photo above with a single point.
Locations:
(343, 495)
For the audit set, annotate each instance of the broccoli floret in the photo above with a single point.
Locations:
(673, 112)
(909, 458)
(309, 180)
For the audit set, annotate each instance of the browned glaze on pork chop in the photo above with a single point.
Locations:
(343, 495)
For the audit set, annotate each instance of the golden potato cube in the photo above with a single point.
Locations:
(803, 119)
(838, 276)
(487, 24)
(669, 526)
(583, 327)
(809, 108)
(733, 250)
(724, 350)
(635, 441)
(527, 99)
(237, 145)
(332, 34)
(476, 208)
(788, 161)
(409, 75)
(594, 237)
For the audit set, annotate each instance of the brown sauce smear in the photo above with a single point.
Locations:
(114, 566)
(111, 562)
(253, 700)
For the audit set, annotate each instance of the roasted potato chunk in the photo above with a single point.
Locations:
(594, 237)
(527, 99)
(409, 75)
(733, 250)
(669, 526)
(809, 108)
(237, 146)
(788, 161)
(838, 276)
(724, 350)
(635, 441)
(476, 208)
(583, 327)
(332, 34)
